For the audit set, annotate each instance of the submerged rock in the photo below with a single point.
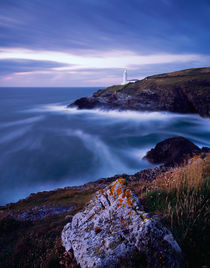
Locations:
(114, 231)
(172, 151)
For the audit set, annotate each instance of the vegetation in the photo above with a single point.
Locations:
(38, 243)
(181, 198)
(186, 91)
(166, 79)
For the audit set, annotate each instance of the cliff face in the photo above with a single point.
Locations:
(186, 91)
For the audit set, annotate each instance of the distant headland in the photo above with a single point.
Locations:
(185, 91)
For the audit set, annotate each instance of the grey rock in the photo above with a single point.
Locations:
(114, 231)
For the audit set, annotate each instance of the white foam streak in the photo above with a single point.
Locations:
(115, 114)
(138, 153)
(14, 135)
(134, 115)
(108, 161)
(22, 122)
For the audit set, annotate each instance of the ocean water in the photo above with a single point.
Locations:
(44, 145)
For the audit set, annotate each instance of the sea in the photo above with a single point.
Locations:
(44, 145)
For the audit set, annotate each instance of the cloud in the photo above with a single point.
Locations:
(109, 70)
(101, 59)
(138, 25)
(10, 66)
(47, 68)
(79, 42)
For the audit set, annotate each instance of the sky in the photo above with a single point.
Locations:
(89, 42)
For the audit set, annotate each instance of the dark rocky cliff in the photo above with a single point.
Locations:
(186, 91)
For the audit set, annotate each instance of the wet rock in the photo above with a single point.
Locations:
(114, 231)
(172, 151)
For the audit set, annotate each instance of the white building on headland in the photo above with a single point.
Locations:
(125, 79)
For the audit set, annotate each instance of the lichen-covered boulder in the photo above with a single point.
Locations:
(114, 231)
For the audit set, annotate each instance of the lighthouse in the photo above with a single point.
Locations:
(125, 79)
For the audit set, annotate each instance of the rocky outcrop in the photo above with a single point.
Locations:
(173, 151)
(114, 231)
(186, 91)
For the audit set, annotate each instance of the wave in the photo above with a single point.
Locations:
(101, 151)
(128, 114)
(86, 144)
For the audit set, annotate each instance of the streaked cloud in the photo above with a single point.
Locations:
(9, 66)
(85, 42)
(110, 59)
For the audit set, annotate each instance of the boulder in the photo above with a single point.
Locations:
(114, 231)
(172, 151)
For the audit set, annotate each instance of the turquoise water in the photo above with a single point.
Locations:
(44, 145)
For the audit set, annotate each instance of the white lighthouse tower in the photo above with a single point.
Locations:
(124, 77)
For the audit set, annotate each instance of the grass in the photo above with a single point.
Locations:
(38, 243)
(166, 82)
(181, 198)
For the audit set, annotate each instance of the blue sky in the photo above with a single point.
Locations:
(89, 42)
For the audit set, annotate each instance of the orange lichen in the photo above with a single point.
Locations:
(123, 221)
(119, 191)
(97, 230)
(91, 217)
(111, 191)
(124, 190)
(120, 181)
(128, 196)
(101, 191)
(129, 213)
(128, 193)
(98, 211)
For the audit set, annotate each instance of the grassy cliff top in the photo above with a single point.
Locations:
(166, 80)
